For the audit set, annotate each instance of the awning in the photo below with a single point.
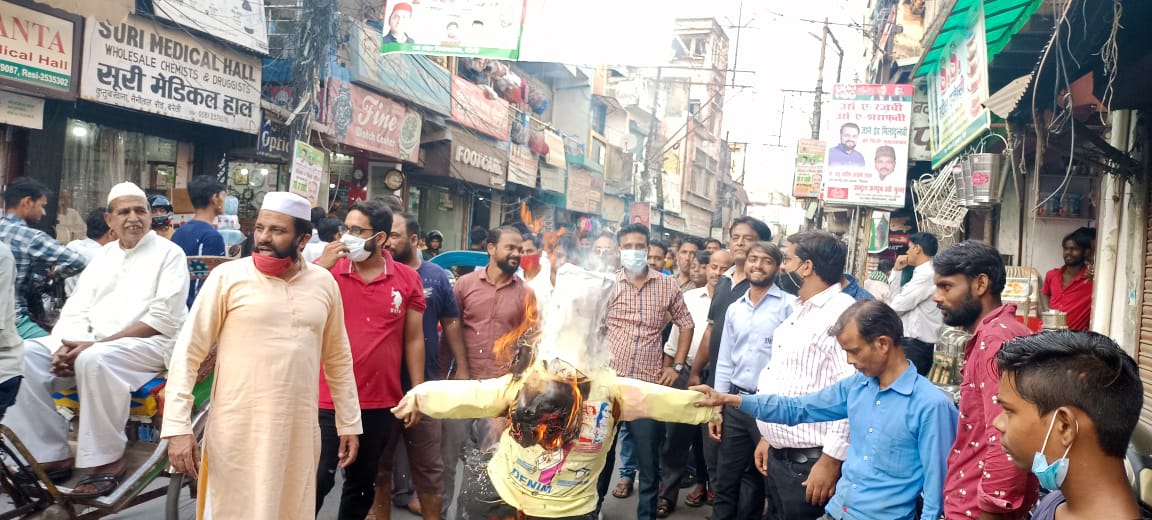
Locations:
(1002, 19)
(1004, 101)
(610, 102)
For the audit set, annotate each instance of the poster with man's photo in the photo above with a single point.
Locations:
(868, 134)
(482, 28)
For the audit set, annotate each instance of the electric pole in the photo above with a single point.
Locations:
(819, 84)
(651, 159)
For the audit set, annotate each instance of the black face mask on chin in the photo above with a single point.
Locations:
(789, 282)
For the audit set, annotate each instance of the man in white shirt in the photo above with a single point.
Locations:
(98, 234)
(804, 461)
(114, 335)
(913, 301)
(11, 346)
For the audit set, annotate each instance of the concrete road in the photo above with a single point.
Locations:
(614, 508)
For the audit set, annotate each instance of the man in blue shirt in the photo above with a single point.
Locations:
(902, 427)
(845, 154)
(745, 348)
(199, 237)
(425, 469)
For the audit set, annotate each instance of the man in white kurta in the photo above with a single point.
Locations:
(114, 334)
(272, 330)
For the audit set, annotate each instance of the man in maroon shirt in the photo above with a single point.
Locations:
(384, 316)
(981, 482)
(1069, 288)
(492, 303)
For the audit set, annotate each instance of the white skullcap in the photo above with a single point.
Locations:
(125, 189)
(289, 204)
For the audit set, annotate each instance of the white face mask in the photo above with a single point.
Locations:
(634, 261)
(355, 244)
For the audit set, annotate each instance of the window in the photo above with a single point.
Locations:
(599, 116)
(98, 157)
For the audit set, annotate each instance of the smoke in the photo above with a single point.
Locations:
(573, 322)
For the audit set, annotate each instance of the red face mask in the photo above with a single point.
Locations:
(530, 263)
(270, 265)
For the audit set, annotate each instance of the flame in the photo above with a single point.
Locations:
(505, 346)
(534, 224)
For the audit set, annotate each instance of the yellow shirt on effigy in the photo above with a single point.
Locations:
(561, 482)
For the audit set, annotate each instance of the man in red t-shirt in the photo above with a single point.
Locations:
(384, 316)
(1069, 288)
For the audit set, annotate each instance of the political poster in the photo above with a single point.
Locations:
(307, 171)
(809, 172)
(868, 165)
(449, 28)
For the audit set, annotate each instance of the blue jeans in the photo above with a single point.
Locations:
(648, 437)
(627, 457)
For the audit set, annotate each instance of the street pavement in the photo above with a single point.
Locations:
(614, 508)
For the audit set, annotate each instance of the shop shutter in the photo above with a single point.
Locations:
(1144, 344)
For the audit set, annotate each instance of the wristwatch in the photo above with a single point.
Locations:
(679, 368)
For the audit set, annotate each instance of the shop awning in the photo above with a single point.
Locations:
(1002, 19)
(1004, 101)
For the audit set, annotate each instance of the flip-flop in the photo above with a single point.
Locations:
(623, 489)
(103, 482)
(57, 476)
(664, 508)
(696, 499)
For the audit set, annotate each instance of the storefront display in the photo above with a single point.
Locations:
(96, 157)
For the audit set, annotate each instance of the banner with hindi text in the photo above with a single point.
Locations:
(868, 166)
(143, 65)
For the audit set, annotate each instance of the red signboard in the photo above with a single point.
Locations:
(381, 125)
(473, 108)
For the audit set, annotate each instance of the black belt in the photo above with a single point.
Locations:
(735, 390)
(797, 455)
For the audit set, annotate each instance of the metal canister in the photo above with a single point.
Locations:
(1054, 320)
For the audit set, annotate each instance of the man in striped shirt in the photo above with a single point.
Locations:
(637, 314)
(24, 201)
(804, 462)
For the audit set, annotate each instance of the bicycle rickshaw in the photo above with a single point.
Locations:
(31, 491)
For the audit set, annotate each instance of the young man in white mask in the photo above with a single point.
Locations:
(384, 315)
(638, 312)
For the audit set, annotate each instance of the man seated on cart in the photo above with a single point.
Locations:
(114, 334)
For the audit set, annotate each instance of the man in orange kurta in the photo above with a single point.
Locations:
(275, 319)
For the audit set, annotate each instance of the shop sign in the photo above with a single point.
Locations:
(141, 65)
(868, 165)
(809, 168)
(471, 107)
(556, 156)
(38, 50)
(238, 21)
(308, 166)
(673, 179)
(371, 122)
(20, 110)
(406, 76)
(958, 90)
(585, 192)
(477, 161)
(275, 141)
(522, 165)
(487, 29)
(553, 179)
(920, 141)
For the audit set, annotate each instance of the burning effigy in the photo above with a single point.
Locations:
(550, 422)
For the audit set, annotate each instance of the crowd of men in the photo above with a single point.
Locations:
(826, 410)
